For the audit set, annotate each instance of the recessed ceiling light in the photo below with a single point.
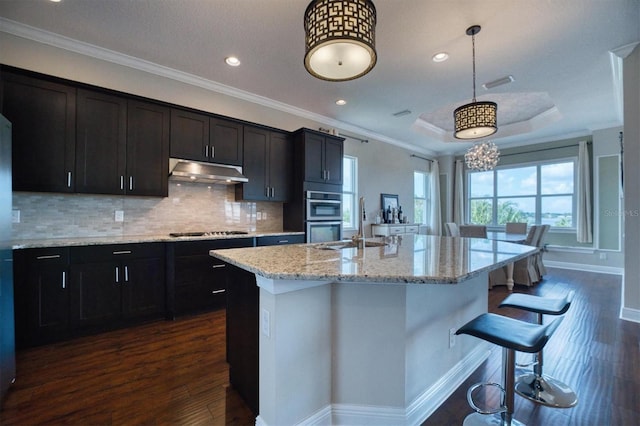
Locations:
(55, 1)
(232, 61)
(341, 102)
(440, 57)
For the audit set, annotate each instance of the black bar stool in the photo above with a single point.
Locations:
(536, 386)
(513, 335)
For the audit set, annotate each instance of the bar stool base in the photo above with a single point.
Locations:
(546, 390)
(477, 419)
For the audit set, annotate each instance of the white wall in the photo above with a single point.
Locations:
(631, 291)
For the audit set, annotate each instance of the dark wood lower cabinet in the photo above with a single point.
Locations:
(243, 301)
(198, 281)
(72, 291)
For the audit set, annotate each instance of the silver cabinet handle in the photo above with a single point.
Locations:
(69, 179)
(64, 279)
(122, 183)
(222, 265)
(328, 174)
(273, 192)
(206, 151)
(218, 291)
(117, 274)
(130, 183)
(126, 274)
(266, 192)
(213, 151)
(122, 252)
(49, 256)
(283, 241)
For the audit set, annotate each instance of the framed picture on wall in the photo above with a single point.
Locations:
(388, 200)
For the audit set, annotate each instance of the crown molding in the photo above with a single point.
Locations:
(61, 42)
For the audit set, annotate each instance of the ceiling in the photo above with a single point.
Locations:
(558, 52)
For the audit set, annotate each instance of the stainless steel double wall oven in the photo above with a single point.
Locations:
(323, 216)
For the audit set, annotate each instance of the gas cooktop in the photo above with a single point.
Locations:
(206, 234)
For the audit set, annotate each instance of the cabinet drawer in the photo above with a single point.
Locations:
(274, 240)
(411, 229)
(45, 256)
(116, 252)
(187, 248)
(395, 230)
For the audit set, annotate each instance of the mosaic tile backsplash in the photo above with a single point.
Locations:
(189, 207)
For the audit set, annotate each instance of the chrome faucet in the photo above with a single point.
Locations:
(362, 216)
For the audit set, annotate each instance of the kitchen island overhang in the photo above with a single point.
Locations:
(358, 335)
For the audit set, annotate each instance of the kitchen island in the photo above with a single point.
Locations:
(351, 335)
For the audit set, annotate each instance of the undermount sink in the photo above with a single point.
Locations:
(338, 245)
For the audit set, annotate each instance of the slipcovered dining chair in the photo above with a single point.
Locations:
(524, 270)
(516, 227)
(452, 229)
(540, 269)
(475, 231)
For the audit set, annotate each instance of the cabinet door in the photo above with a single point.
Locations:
(48, 303)
(96, 298)
(147, 149)
(226, 142)
(43, 116)
(256, 144)
(101, 143)
(314, 170)
(280, 167)
(143, 288)
(189, 135)
(333, 153)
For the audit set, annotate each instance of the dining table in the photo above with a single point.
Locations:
(509, 238)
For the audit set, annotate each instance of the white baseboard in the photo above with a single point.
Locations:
(629, 314)
(584, 267)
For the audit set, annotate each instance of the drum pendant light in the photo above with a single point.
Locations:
(340, 39)
(477, 119)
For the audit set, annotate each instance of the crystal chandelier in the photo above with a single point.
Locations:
(482, 156)
(340, 39)
(476, 119)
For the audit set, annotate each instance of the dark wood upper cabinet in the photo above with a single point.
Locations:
(189, 135)
(147, 168)
(226, 142)
(101, 144)
(43, 117)
(321, 156)
(201, 137)
(268, 157)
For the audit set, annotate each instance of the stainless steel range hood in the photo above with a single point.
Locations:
(195, 171)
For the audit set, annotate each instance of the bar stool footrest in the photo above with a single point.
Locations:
(477, 409)
(545, 390)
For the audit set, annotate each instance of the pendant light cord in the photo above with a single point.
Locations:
(473, 49)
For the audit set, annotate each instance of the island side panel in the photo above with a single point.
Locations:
(295, 355)
(432, 311)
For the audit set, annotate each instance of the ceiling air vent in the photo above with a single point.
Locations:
(401, 113)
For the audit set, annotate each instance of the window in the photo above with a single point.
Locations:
(539, 193)
(349, 192)
(420, 197)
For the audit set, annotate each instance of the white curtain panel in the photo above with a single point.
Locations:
(458, 193)
(583, 223)
(435, 219)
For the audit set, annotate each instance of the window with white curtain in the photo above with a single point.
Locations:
(349, 192)
(537, 193)
(421, 202)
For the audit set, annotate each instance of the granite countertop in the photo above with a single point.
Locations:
(418, 259)
(131, 239)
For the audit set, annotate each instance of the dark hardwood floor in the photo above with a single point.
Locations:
(174, 373)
